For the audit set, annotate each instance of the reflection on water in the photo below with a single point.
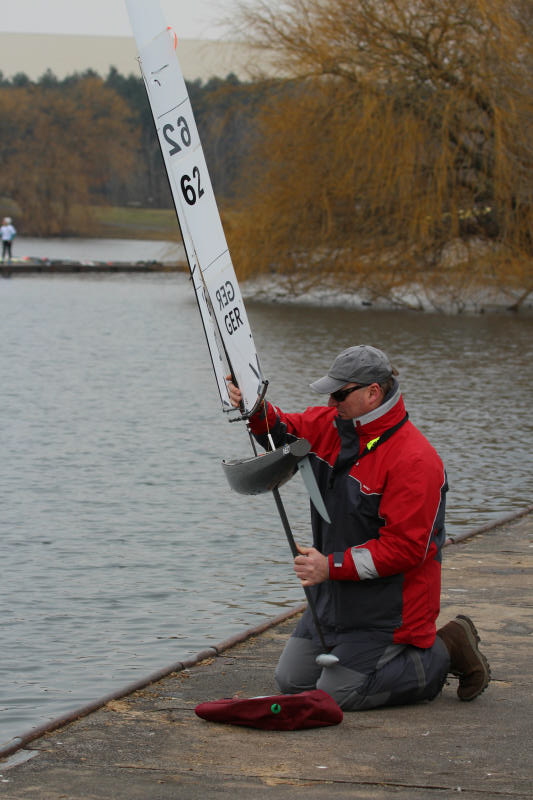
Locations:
(122, 548)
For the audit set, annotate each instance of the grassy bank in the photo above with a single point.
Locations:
(104, 222)
(113, 222)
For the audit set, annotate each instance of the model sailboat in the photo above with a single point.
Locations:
(228, 333)
(221, 306)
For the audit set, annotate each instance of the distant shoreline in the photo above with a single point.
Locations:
(412, 299)
(70, 255)
(58, 266)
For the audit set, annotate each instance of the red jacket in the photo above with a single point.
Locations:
(387, 519)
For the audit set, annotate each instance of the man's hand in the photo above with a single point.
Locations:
(311, 567)
(234, 392)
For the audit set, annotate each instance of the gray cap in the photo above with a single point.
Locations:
(360, 364)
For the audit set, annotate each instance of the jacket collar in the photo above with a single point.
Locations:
(391, 411)
(389, 402)
(385, 415)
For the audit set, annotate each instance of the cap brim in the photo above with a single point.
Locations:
(327, 385)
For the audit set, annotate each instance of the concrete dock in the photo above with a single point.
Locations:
(150, 745)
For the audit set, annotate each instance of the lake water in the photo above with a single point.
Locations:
(123, 550)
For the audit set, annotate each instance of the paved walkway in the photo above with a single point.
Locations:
(151, 746)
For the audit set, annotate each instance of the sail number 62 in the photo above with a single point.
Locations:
(181, 131)
(191, 187)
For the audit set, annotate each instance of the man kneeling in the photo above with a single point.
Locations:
(374, 571)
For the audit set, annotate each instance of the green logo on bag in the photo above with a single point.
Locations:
(275, 708)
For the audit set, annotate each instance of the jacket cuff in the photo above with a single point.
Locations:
(258, 423)
(342, 567)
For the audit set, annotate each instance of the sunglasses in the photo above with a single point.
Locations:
(342, 394)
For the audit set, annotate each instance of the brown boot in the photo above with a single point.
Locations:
(466, 661)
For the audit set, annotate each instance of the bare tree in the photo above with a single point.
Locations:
(400, 141)
(58, 147)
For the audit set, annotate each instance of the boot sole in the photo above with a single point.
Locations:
(473, 638)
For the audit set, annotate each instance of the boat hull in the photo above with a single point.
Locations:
(265, 472)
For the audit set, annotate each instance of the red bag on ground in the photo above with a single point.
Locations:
(282, 712)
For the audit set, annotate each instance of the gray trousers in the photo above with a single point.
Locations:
(403, 674)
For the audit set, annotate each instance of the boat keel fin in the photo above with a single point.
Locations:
(308, 476)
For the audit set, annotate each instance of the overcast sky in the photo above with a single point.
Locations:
(191, 19)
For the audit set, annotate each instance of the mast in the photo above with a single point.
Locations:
(220, 302)
(227, 330)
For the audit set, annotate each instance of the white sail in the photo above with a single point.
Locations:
(224, 317)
